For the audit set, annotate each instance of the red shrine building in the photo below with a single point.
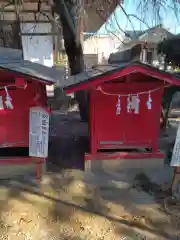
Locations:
(124, 113)
(24, 114)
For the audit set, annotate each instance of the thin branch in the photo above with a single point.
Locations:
(110, 32)
(118, 23)
(51, 19)
(124, 11)
(106, 27)
(134, 16)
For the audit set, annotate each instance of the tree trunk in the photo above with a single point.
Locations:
(74, 51)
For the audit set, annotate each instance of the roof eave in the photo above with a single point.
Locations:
(120, 72)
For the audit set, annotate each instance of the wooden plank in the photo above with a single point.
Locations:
(25, 1)
(26, 6)
(9, 22)
(39, 34)
(26, 11)
(11, 16)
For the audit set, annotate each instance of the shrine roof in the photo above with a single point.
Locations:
(109, 72)
(32, 70)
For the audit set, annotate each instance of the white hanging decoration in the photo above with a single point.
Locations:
(149, 102)
(8, 100)
(129, 104)
(135, 103)
(118, 106)
(1, 103)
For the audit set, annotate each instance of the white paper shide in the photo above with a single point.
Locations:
(38, 132)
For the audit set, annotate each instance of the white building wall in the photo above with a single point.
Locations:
(38, 49)
(103, 46)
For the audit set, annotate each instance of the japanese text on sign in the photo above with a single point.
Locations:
(175, 160)
(38, 132)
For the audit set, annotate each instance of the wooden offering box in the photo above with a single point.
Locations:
(24, 115)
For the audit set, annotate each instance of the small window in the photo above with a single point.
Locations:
(149, 57)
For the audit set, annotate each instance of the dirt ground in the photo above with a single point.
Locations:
(70, 204)
(68, 207)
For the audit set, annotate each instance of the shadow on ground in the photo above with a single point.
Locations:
(69, 141)
(66, 206)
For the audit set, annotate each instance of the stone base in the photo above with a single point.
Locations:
(10, 171)
(120, 164)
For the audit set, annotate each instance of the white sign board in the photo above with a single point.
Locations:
(175, 160)
(1, 103)
(38, 132)
(38, 49)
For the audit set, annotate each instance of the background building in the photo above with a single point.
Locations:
(97, 48)
(141, 45)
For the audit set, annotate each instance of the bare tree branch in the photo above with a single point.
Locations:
(139, 19)
(119, 27)
(124, 11)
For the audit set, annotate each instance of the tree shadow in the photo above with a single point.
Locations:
(144, 224)
(8, 194)
(93, 201)
(56, 214)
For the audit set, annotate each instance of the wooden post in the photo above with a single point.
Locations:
(175, 181)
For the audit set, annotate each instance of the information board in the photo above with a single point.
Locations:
(175, 160)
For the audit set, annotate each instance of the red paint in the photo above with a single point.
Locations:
(127, 135)
(14, 123)
(20, 83)
(133, 131)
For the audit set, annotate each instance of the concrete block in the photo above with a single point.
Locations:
(10, 171)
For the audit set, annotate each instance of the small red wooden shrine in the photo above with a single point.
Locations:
(125, 109)
(22, 89)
